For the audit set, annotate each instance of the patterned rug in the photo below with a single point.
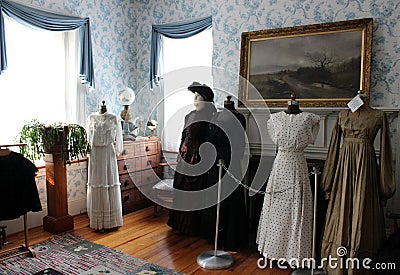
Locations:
(69, 254)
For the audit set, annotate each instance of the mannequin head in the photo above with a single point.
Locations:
(199, 102)
(203, 90)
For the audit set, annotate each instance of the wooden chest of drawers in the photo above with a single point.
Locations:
(138, 166)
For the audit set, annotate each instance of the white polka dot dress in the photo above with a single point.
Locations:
(285, 226)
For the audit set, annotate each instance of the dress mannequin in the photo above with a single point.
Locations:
(103, 108)
(230, 147)
(293, 105)
(194, 134)
(285, 226)
(18, 191)
(104, 188)
(354, 179)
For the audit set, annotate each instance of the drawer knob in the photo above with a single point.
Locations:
(126, 183)
(147, 148)
(126, 167)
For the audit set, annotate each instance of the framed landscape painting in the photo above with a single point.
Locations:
(324, 65)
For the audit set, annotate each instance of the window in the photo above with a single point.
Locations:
(181, 59)
(40, 81)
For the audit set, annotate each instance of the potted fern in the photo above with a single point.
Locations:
(69, 139)
(64, 143)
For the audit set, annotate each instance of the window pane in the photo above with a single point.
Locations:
(179, 56)
(33, 85)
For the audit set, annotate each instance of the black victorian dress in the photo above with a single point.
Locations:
(195, 133)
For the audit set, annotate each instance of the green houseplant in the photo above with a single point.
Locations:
(70, 139)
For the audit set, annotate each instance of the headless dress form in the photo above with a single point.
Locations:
(234, 220)
(104, 192)
(355, 179)
(103, 108)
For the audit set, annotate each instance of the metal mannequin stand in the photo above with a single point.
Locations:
(312, 270)
(216, 259)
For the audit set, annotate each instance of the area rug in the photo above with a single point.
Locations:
(68, 254)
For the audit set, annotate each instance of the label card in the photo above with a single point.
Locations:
(355, 103)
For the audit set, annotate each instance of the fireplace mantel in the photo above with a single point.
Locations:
(260, 145)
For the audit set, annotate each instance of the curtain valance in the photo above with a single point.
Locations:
(173, 30)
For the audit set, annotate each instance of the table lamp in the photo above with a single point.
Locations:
(126, 97)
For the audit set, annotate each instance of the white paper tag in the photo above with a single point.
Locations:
(355, 103)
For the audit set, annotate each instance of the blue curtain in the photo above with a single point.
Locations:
(41, 19)
(173, 30)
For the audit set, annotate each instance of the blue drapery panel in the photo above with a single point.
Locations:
(173, 30)
(36, 18)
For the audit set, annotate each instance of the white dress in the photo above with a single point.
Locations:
(104, 189)
(285, 226)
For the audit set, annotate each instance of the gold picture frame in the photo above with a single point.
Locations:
(323, 64)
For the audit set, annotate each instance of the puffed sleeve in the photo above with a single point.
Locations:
(271, 129)
(314, 128)
(329, 171)
(118, 137)
(387, 185)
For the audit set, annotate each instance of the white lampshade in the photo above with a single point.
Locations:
(126, 96)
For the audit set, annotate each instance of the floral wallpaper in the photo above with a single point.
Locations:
(121, 33)
(231, 18)
(77, 179)
(121, 36)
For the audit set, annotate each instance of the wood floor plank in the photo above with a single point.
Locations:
(147, 236)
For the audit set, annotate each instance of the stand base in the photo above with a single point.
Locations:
(58, 225)
(207, 259)
(308, 271)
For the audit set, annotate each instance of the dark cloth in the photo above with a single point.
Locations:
(390, 254)
(233, 216)
(18, 191)
(195, 133)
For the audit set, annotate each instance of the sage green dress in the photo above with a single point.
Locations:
(355, 182)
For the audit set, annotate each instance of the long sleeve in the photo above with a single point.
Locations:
(329, 171)
(118, 138)
(387, 185)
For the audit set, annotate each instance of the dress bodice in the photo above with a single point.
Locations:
(104, 129)
(356, 126)
(293, 132)
(194, 134)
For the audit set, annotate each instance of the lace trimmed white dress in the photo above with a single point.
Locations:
(285, 226)
(104, 204)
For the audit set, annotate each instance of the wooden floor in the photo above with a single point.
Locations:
(146, 236)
